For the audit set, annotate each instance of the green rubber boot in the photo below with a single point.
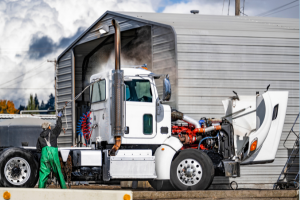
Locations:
(49, 158)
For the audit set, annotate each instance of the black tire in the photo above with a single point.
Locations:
(12, 153)
(208, 171)
(162, 185)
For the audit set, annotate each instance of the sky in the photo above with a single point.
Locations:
(34, 31)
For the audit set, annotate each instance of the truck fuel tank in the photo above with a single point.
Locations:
(87, 158)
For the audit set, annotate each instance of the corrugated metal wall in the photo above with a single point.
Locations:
(63, 94)
(164, 58)
(212, 64)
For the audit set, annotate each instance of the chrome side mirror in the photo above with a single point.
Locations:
(166, 89)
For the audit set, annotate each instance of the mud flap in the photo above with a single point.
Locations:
(232, 168)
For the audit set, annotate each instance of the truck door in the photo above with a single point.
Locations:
(99, 109)
(140, 108)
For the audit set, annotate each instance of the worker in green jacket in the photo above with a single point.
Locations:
(47, 145)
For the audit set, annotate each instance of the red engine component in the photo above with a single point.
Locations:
(187, 136)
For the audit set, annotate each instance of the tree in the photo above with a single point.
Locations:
(21, 107)
(31, 103)
(43, 106)
(50, 103)
(7, 107)
(36, 101)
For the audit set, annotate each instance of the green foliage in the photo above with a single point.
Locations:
(32, 104)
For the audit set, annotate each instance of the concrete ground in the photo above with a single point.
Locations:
(149, 193)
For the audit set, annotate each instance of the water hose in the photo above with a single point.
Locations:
(207, 138)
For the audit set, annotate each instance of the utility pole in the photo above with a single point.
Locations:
(237, 7)
(55, 66)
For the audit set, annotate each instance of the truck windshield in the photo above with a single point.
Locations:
(138, 90)
(98, 91)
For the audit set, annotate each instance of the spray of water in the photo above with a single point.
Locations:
(135, 51)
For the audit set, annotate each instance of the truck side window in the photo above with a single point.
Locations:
(99, 91)
(138, 90)
(127, 92)
(147, 124)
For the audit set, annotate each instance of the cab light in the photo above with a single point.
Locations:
(162, 149)
(126, 197)
(253, 145)
(6, 195)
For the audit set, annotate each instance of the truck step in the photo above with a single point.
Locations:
(293, 164)
(291, 173)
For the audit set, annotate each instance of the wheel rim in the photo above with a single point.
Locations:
(17, 171)
(189, 172)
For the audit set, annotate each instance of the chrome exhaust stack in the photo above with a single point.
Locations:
(117, 93)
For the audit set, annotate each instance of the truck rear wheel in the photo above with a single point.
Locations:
(18, 168)
(192, 170)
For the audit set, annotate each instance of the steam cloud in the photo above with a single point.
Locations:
(137, 51)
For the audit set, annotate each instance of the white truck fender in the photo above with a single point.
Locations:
(164, 155)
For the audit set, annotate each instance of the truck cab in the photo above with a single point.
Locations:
(146, 120)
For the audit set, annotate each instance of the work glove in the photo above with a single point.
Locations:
(59, 114)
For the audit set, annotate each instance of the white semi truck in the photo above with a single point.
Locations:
(136, 136)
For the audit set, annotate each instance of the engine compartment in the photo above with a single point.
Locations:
(213, 136)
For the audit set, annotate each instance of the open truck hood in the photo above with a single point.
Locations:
(257, 118)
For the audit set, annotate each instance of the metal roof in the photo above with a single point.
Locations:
(210, 24)
(13, 116)
(23, 122)
(216, 22)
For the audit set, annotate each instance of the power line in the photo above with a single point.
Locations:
(244, 8)
(25, 88)
(42, 87)
(267, 12)
(228, 7)
(51, 82)
(223, 6)
(23, 74)
(28, 77)
(282, 10)
(243, 13)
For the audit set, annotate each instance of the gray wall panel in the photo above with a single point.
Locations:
(164, 58)
(237, 49)
(247, 58)
(241, 66)
(64, 93)
(260, 85)
(210, 67)
(240, 41)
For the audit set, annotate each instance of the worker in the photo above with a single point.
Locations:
(47, 145)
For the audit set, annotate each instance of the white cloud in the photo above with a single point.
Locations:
(213, 8)
(23, 20)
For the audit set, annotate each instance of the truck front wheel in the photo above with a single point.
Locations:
(192, 170)
(18, 168)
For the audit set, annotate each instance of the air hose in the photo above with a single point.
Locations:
(83, 126)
